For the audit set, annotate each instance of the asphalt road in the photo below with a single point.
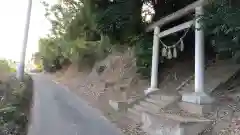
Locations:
(56, 111)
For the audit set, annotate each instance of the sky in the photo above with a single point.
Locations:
(12, 23)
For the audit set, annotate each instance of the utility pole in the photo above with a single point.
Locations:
(21, 66)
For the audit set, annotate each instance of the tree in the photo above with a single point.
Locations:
(222, 25)
(82, 30)
(74, 35)
(120, 19)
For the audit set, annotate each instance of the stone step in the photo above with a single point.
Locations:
(183, 117)
(171, 112)
(160, 103)
(150, 106)
(165, 96)
(176, 111)
(141, 108)
(134, 115)
(118, 105)
(162, 125)
(134, 111)
(181, 129)
(195, 108)
(150, 120)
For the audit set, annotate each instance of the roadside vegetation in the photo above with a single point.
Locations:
(15, 101)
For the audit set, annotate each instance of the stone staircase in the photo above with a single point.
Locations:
(163, 112)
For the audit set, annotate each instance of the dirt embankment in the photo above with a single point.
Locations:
(115, 78)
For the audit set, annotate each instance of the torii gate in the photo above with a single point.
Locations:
(199, 96)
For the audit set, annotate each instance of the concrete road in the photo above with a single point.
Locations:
(56, 111)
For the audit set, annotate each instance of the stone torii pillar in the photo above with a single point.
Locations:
(155, 61)
(199, 96)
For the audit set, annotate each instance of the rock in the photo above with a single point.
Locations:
(118, 105)
(225, 114)
(109, 84)
(100, 69)
(123, 88)
(134, 81)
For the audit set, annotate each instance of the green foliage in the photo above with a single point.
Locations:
(120, 19)
(7, 66)
(74, 35)
(49, 48)
(222, 25)
(13, 70)
(143, 52)
(15, 106)
(50, 52)
(4, 66)
(82, 30)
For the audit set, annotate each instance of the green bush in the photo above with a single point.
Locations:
(7, 66)
(15, 106)
(120, 19)
(4, 65)
(13, 70)
(222, 25)
(143, 52)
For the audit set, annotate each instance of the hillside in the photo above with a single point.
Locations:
(115, 79)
